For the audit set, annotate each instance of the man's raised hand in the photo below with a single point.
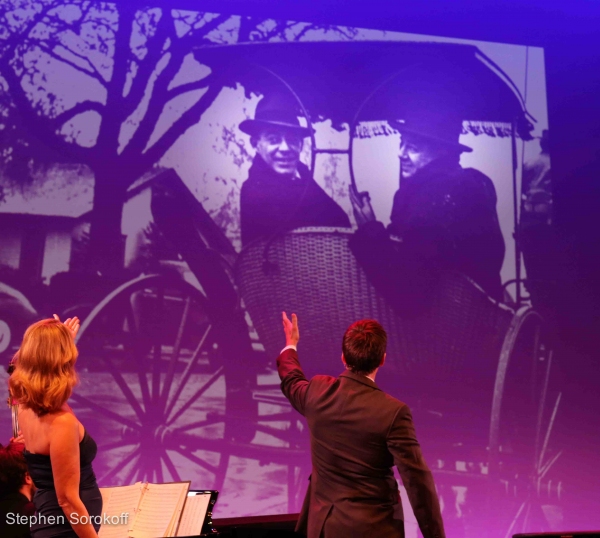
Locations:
(290, 328)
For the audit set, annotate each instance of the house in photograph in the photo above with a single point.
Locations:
(39, 221)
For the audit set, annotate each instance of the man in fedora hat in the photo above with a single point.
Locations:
(280, 193)
(444, 215)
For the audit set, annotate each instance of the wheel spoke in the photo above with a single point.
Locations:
(132, 472)
(270, 386)
(541, 407)
(148, 461)
(137, 357)
(159, 471)
(200, 424)
(214, 378)
(549, 430)
(198, 461)
(187, 372)
(282, 435)
(156, 356)
(166, 389)
(143, 383)
(526, 518)
(129, 396)
(170, 466)
(515, 519)
(82, 400)
(119, 466)
(140, 475)
(548, 465)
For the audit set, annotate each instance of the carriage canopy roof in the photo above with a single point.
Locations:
(355, 81)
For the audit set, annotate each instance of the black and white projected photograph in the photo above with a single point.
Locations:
(178, 179)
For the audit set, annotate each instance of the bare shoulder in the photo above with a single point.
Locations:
(42, 432)
(64, 423)
(65, 419)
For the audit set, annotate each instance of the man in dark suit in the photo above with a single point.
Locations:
(280, 193)
(357, 434)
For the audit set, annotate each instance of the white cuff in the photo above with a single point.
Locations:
(291, 346)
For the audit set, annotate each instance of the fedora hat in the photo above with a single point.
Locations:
(275, 111)
(438, 127)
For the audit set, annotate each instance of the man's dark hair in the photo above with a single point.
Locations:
(364, 346)
(13, 468)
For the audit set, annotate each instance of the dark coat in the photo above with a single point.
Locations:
(357, 433)
(271, 203)
(445, 217)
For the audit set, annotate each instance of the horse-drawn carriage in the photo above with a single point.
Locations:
(178, 365)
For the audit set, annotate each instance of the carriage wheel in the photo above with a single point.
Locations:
(524, 409)
(154, 388)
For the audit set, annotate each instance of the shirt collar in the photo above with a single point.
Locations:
(360, 378)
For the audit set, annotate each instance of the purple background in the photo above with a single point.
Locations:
(260, 465)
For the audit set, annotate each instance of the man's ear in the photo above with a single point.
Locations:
(28, 480)
(253, 141)
(344, 361)
(382, 360)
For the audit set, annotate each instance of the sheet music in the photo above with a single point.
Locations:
(117, 501)
(194, 514)
(159, 510)
(177, 515)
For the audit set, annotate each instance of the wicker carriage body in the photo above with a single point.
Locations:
(313, 273)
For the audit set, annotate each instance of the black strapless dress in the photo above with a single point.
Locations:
(45, 500)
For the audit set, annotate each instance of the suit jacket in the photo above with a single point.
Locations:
(357, 433)
(273, 204)
(446, 217)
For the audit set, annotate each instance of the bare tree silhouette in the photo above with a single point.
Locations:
(121, 67)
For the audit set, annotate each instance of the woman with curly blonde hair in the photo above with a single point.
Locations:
(58, 449)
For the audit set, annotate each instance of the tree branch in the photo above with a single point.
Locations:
(247, 26)
(79, 108)
(93, 71)
(189, 118)
(156, 105)
(51, 52)
(188, 87)
(44, 126)
(279, 30)
(205, 29)
(17, 39)
(303, 32)
(147, 66)
(159, 96)
(110, 127)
